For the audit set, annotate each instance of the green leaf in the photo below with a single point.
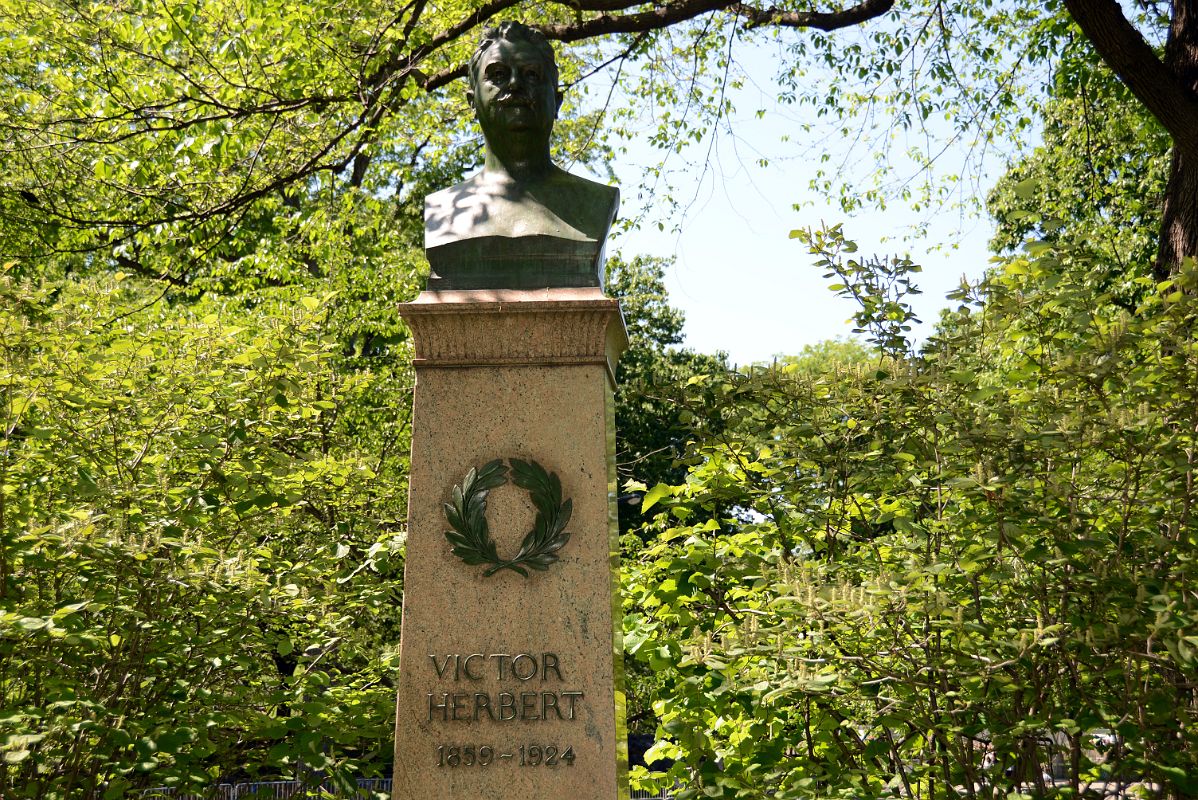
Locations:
(1026, 189)
(656, 494)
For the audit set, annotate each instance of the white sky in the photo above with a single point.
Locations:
(746, 287)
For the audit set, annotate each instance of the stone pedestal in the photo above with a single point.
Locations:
(512, 686)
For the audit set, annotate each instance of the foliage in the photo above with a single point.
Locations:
(878, 286)
(858, 575)
(202, 515)
(206, 395)
(1095, 184)
(827, 355)
(191, 143)
(200, 570)
(874, 575)
(212, 146)
(652, 426)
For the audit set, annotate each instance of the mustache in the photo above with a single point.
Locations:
(513, 99)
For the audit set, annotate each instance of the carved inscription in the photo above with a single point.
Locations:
(531, 688)
(533, 755)
(528, 700)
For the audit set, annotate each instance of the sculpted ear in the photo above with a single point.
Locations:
(470, 97)
(560, 97)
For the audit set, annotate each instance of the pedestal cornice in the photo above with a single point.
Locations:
(509, 327)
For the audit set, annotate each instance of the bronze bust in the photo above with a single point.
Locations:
(522, 222)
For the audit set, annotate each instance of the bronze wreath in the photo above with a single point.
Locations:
(470, 536)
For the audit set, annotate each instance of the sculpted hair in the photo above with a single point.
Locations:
(512, 31)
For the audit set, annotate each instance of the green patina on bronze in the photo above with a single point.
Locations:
(522, 222)
(529, 262)
(470, 535)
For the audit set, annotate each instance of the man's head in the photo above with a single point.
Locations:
(513, 82)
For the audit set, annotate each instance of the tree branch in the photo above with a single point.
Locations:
(380, 76)
(660, 17)
(823, 20)
(1137, 64)
(135, 266)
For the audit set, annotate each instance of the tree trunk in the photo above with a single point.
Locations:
(1179, 220)
(1168, 88)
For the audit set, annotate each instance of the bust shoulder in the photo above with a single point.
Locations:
(492, 231)
(560, 205)
(588, 205)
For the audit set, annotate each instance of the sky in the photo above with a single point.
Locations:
(745, 286)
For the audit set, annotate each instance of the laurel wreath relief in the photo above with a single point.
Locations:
(470, 536)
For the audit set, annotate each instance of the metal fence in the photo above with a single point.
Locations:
(367, 789)
(293, 790)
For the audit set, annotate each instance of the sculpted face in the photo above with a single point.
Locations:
(513, 91)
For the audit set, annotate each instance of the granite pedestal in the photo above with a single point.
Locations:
(511, 685)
